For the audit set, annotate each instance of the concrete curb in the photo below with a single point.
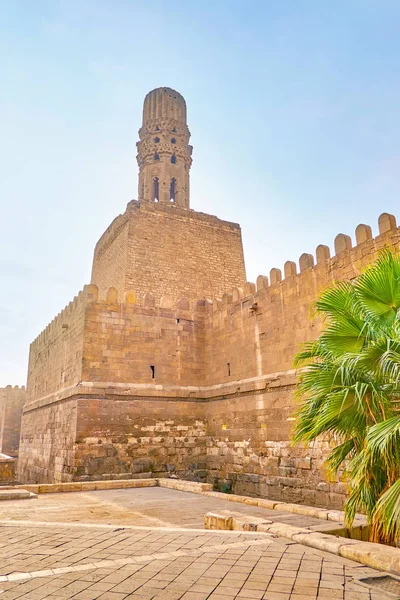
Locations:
(377, 556)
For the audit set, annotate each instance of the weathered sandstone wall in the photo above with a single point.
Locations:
(255, 332)
(221, 374)
(120, 437)
(126, 342)
(169, 251)
(258, 329)
(12, 400)
(110, 264)
(55, 356)
(48, 435)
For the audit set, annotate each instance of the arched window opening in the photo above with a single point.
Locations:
(172, 190)
(156, 139)
(156, 156)
(157, 128)
(156, 189)
(173, 159)
(173, 141)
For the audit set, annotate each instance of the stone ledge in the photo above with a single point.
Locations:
(19, 494)
(377, 556)
(112, 484)
(87, 486)
(103, 390)
(310, 511)
(184, 486)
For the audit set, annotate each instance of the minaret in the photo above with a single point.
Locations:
(164, 155)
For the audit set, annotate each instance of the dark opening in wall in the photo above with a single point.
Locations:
(177, 320)
(153, 371)
(156, 156)
(156, 188)
(156, 139)
(173, 141)
(173, 159)
(229, 369)
(172, 189)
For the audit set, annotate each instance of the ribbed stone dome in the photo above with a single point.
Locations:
(164, 102)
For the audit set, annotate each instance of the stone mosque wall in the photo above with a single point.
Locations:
(55, 356)
(200, 389)
(252, 336)
(167, 250)
(169, 362)
(12, 400)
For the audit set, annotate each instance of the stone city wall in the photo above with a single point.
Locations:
(12, 400)
(55, 356)
(256, 331)
(132, 342)
(123, 437)
(221, 370)
(48, 435)
(93, 424)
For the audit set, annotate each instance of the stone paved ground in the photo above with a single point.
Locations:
(40, 559)
(151, 506)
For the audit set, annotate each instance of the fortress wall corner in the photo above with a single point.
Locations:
(12, 400)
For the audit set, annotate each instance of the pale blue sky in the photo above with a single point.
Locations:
(293, 106)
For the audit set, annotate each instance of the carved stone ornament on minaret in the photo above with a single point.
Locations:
(164, 154)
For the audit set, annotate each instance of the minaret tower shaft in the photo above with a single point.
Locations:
(164, 154)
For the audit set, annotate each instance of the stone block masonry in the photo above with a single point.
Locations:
(167, 250)
(12, 400)
(169, 362)
(121, 385)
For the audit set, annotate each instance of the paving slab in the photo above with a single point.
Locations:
(151, 506)
(150, 543)
(161, 563)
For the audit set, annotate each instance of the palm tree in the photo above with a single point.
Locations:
(349, 390)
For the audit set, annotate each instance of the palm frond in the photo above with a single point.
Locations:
(386, 516)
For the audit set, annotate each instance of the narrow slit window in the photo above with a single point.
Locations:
(156, 188)
(172, 190)
(153, 371)
(173, 159)
(173, 141)
(156, 156)
(228, 365)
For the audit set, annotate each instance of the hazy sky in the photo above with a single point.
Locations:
(293, 106)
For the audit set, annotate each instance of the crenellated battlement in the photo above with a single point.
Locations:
(169, 360)
(347, 260)
(346, 263)
(63, 318)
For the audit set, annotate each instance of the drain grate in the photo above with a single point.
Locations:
(386, 583)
